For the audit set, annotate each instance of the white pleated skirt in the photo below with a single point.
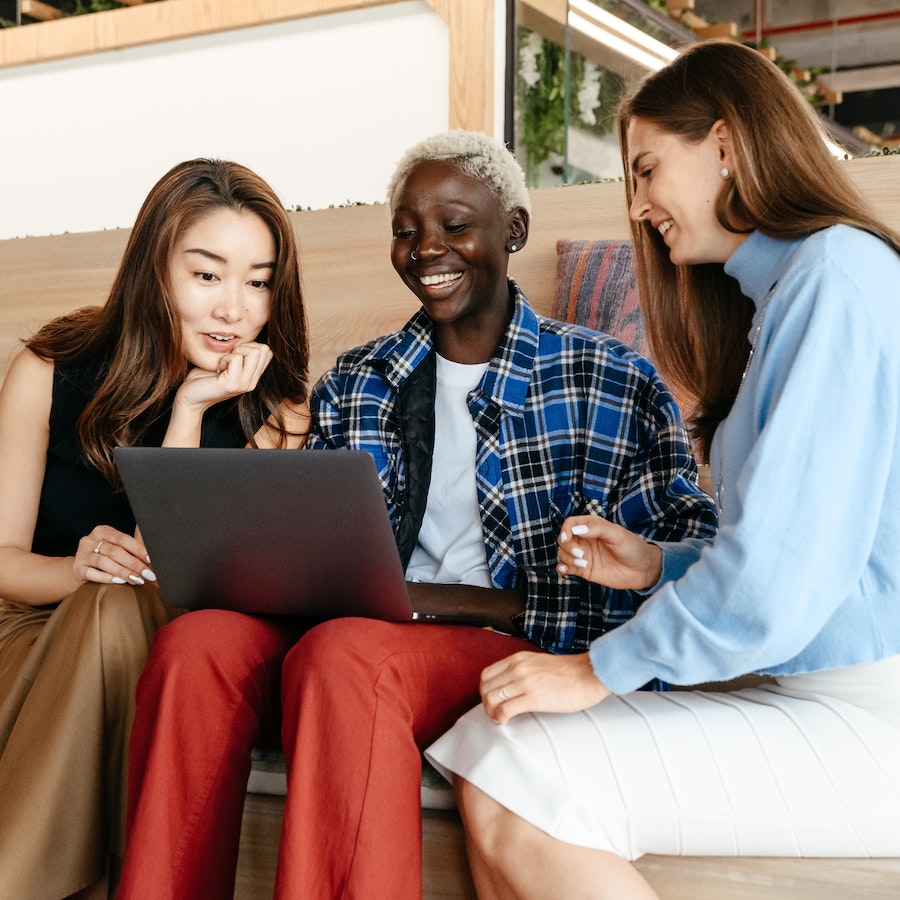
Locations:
(806, 767)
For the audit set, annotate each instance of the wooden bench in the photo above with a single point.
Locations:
(353, 294)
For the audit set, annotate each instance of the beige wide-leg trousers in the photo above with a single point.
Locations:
(67, 684)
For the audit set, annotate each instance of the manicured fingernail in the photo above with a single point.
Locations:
(117, 580)
(563, 537)
(577, 551)
(135, 579)
(562, 569)
(581, 563)
(147, 558)
(149, 574)
(579, 529)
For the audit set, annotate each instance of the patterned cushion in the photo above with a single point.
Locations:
(595, 287)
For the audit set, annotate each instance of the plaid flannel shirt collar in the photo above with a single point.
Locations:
(398, 356)
(508, 377)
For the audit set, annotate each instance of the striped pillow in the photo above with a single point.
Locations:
(595, 287)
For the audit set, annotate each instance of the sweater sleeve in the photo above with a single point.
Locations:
(813, 434)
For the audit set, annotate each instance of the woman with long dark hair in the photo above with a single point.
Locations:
(202, 342)
(769, 290)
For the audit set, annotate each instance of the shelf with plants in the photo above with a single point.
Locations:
(565, 100)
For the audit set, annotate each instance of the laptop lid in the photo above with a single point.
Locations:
(288, 532)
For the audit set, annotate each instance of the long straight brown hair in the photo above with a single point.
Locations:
(785, 184)
(137, 333)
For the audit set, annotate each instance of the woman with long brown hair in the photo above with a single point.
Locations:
(769, 290)
(202, 342)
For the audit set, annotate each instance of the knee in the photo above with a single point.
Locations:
(340, 662)
(332, 647)
(201, 647)
(111, 616)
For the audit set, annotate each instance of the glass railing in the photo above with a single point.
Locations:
(573, 60)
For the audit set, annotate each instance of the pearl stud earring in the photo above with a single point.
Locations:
(724, 172)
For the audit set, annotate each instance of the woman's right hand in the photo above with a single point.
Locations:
(605, 553)
(238, 373)
(109, 556)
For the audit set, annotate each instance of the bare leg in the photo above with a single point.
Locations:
(511, 858)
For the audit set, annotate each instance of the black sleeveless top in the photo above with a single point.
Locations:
(75, 497)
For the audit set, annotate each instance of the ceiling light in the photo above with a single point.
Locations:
(610, 31)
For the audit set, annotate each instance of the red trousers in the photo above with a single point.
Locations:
(361, 698)
(207, 695)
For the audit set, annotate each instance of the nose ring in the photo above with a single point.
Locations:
(413, 255)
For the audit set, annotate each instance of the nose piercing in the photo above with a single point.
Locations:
(413, 255)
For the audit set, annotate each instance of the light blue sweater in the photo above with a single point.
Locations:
(804, 573)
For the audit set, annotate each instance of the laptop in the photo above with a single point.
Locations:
(284, 532)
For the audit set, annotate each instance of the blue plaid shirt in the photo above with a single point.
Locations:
(568, 422)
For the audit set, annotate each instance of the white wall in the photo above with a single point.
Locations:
(322, 108)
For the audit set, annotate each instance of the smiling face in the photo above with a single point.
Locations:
(676, 186)
(220, 271)
(460, 236)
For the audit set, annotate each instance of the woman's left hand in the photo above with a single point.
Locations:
(110, 556)
(539, 682)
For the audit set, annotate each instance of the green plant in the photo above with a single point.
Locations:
(555, 90)
(80, 7)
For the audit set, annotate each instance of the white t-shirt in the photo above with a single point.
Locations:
(450, 547)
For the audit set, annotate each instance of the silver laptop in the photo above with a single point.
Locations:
(286, 532)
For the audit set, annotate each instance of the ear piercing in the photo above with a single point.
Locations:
(724, 172)
(413, 255)
(513, 248)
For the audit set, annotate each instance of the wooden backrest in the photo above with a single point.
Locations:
(352, 292)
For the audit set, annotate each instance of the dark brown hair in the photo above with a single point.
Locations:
(785, 183)
(137, 333)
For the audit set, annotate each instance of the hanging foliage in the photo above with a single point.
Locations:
(555, 90)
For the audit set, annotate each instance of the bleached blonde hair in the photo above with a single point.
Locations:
(474, 154)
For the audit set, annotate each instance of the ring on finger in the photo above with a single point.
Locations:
(504, 695)
(97, 548)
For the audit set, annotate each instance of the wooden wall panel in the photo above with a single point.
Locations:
(352, 294)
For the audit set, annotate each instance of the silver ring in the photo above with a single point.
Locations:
(413, 256)
(504, 696)
(97, 548)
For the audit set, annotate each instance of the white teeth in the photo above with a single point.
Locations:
(440, 279)
(222, 337)
(665, 227)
